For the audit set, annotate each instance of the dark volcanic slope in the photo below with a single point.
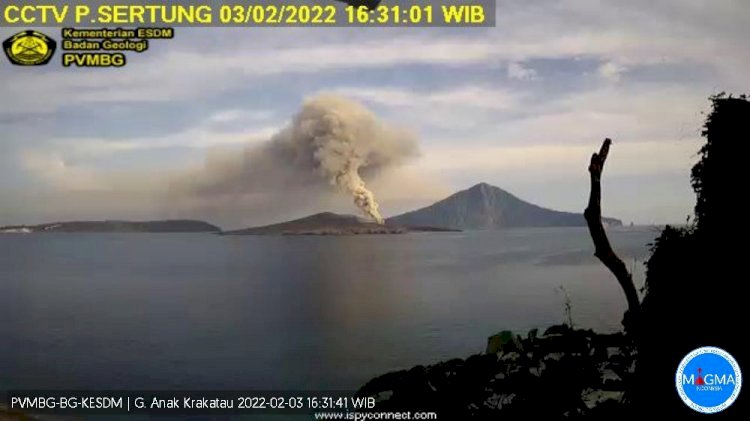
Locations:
(488, 207)
(118, 226)
(328, 223)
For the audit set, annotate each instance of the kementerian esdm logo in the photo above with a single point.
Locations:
(708, 380)
(29, 48)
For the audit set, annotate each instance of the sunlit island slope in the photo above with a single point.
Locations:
(328, 223)
(486, 207)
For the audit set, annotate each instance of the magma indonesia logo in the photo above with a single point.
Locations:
(708, 380)
(29, 48)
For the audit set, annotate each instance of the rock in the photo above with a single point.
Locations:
(611, 380)
(383, 396)
(613, 352)
(557, 330)
(504, 341)
(591, 398)
(497, 401)
(568, 342)
(565, 371)
(531, 337)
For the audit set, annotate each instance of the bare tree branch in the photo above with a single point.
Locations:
(603, 249)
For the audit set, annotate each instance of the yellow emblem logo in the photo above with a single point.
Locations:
(29, 48)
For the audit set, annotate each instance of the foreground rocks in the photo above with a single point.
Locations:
(564, 372)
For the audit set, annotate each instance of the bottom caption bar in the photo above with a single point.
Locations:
(186, 402)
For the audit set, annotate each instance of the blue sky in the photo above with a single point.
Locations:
(521, 106)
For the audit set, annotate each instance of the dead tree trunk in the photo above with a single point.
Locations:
(603, 249)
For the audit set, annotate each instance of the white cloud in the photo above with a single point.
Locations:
(181, 75)
(453, 108)
(519, 72)
(199, 138)
(639, 113)
(623, 35)
(551, 161)
(467, 96)
(240, 115)
(54, 171)
(611, 71)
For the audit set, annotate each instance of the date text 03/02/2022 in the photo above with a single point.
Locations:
(239, 13)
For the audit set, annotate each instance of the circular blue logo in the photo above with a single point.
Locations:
(708, 379)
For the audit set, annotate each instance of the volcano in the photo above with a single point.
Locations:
(328, 223)
(486, 207)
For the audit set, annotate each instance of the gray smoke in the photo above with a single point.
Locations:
(338, 138)
(331, 141)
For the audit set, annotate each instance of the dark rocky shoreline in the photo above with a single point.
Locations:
(564, 372)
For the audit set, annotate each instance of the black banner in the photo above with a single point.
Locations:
(184, 402)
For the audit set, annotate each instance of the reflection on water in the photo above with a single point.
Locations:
(203, 311)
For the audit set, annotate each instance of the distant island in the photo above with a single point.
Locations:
(328, 223)
(481, 207)
(486, 207)
(165, 226)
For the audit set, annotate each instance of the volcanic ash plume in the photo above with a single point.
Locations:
(363, 198)
(340, 139)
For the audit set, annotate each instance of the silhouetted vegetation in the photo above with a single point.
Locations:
(694, 281)
(694, 294)
(602, 248)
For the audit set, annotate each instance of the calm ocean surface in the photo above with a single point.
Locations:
(165, 311)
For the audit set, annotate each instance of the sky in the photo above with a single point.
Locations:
(521, 106)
